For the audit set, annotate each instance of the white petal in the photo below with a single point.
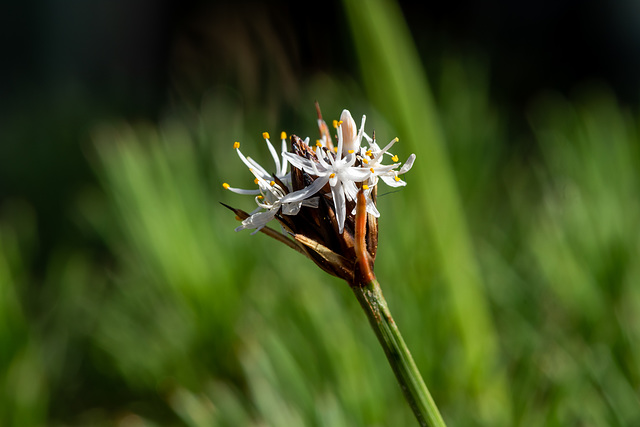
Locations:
(350, 189)
(340, 206)
(274, 154)
(306, 192)
(291, 208)
(349, 133)
(390, 180)
(284, 158)
(407, 165)
(300, 162)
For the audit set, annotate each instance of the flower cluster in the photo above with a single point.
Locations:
(315, 202)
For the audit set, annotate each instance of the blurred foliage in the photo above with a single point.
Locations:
(510, 265)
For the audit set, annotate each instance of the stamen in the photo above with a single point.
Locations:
(256, 181)
(265, 135)
(225, 186)
(335, 149)
(318, 143)
(372, 171)
(335, 123)
(369, 153)
(396, 178)
(236, 145)
(333, 175)
(272, 183)
(365, 161)
(350, 151)
(283, 135)
(395, 158)
(365, 187)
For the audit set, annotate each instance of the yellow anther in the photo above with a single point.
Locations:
(369, 153)
(396, 178)
(236, 144)
(397, 139)
(395, 158)
(256, 180)
(225, 185)
(318, 143)
(335, 123)
(340, 122)
(335, 149)
(272, 183)
(350, 151)
(283, 135)
(333, 175)
(365, 161)
(265, 135)
(372, 171)
(260, 196)
(365, 187)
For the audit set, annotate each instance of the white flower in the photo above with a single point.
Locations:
(372, 158)
(269, 193)
(338, 170)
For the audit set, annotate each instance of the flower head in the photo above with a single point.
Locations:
(316, 202)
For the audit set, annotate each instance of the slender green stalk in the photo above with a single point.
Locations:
(372, 301)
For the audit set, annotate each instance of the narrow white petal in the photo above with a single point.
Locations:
(350, 189)
(340, 206)
(407, 165)
(390, 180)
(284, 158)
(306, 192)
(291, 208)
(349, 133)
(274, 154)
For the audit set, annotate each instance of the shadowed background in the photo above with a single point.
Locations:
(508, 260)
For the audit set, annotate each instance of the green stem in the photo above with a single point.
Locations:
(372, 301)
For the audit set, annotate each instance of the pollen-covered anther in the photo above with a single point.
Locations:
(265, 135)
(365, 187)
(333, 175)
(372, 171)
(225, 186)
(335, 123)
(365, 161)
(236, 145)
(272, 183)
(350, 151)
(369, 153)
(318, 143)
(395, 158)
(283, 135)
(396, 178)
(256, 181)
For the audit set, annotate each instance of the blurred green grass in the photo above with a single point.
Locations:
(513, 278)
